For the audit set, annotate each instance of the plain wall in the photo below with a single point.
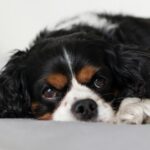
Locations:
(21, 20)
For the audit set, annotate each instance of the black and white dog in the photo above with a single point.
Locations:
(93, 67)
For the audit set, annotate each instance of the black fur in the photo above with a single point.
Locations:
(124, 54)
(14, 98)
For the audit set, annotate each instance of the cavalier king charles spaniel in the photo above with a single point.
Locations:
(92, 67)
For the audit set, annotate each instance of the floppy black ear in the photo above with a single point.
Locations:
(14, 98)
(126, 63)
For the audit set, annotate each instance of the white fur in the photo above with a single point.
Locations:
(68, 60)
(134, 111)
(90, 19)
(146, 109)
(79, 92)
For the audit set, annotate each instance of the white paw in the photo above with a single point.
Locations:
(146, 108)
(130, 112)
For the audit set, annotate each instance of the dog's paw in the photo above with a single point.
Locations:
(130, 112)
(146, 108)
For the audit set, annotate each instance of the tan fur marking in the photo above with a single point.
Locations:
(57, 80)
(47, 116)
(34, 106)
(85, 74)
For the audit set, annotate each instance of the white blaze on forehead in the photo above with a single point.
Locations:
(77, 91)
(91, 19)
(81, 92)
(68, 60)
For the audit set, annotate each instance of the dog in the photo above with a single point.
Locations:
(92, 67)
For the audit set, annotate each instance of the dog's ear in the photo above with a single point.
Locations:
(126, 63)
(14, 97)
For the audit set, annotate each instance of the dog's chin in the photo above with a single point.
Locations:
(71, 118)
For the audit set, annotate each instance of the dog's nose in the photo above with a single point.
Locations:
(85, 109)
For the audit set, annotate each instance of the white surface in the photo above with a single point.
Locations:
(21, 20)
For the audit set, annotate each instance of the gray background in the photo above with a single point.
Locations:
(49, 135)
(21, 20)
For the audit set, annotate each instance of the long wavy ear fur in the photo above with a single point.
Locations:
(126, 63)
(14, 98)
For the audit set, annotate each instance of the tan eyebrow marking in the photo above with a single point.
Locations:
(57, 80)
(86, 74)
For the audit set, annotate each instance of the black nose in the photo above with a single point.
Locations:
(85, 109)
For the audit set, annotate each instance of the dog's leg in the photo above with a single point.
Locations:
(131, 111)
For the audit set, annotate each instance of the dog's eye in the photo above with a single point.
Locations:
(99, 82)
(49, 93)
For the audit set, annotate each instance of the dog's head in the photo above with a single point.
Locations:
(73, 77)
